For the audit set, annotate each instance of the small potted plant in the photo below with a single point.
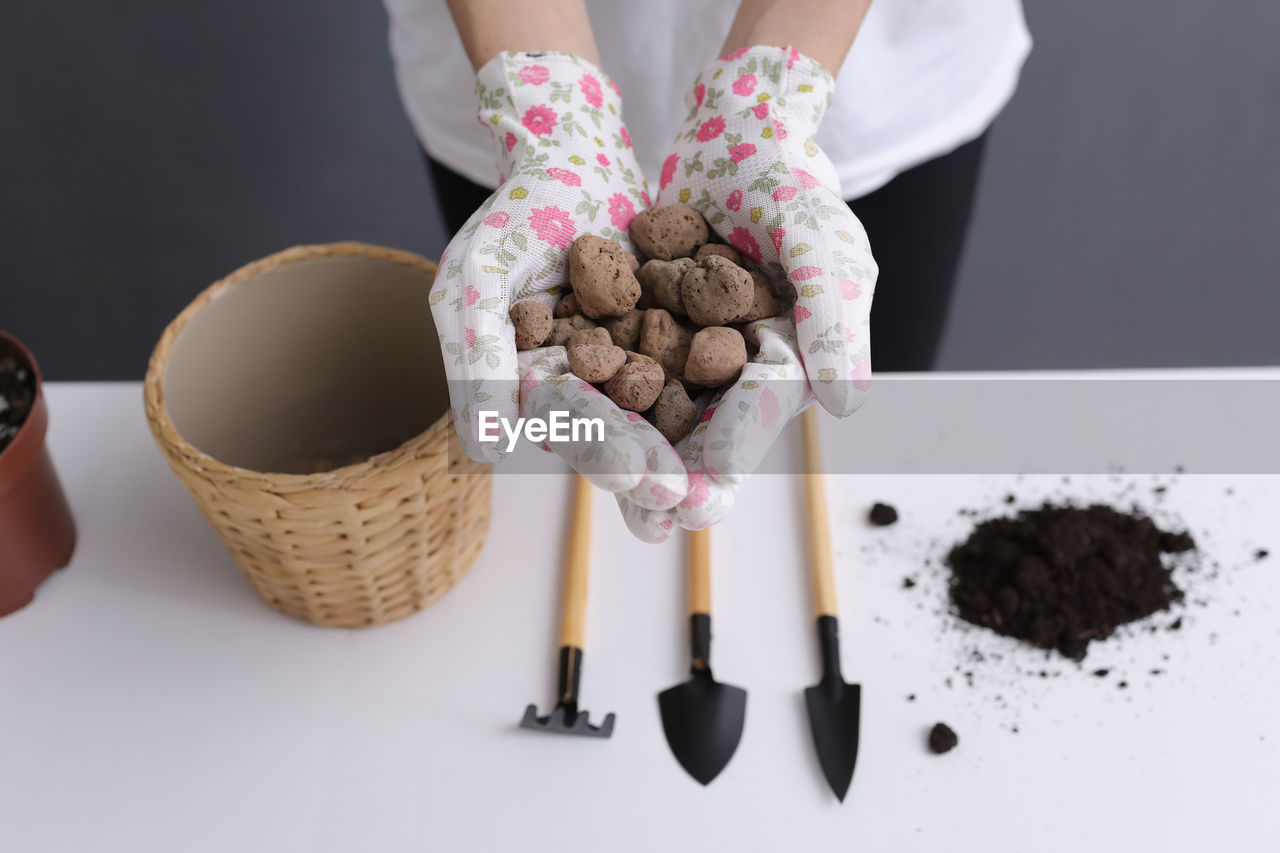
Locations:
(37, 534)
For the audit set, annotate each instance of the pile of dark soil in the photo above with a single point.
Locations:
(1060, 577)
(17, 395)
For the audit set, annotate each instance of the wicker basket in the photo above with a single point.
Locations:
(317, 355)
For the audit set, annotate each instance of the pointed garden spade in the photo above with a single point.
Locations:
(566, 717)
(702, 717)
(833, 704)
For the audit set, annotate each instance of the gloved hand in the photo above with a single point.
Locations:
(746, 159)
(566, 169)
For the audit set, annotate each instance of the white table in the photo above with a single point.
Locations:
(150, 702)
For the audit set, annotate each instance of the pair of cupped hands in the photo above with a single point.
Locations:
(746, 159)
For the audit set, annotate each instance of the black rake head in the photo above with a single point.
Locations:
(566, 721)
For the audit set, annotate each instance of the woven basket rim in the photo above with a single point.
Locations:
(153, 385)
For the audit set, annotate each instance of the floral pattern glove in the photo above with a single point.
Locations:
(746, 159)
(566, 168)
(734, 434)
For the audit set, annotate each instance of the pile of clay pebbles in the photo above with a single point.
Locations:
(653, 336)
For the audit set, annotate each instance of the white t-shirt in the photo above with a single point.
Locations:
(923, 77)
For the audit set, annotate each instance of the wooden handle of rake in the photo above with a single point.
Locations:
(699, 558)
(573, 624)
(821, 568)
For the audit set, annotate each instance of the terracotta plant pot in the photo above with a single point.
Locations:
(37, 533)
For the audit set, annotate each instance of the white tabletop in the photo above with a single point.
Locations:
(150, 702)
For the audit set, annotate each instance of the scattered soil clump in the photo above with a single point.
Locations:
(882, 515)
(942, 739)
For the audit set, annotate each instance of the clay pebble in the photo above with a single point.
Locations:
(672, 231)
(673, 414)
(595, 363)
(567, 306)
(595, 336)
(533, 323)
(717, 292)
(625, 330)
(764, 303)
(666, 341)
(637, 384)
(562, 329)
(716, 356)
(660, 282)
(601, 276)
(727, 252)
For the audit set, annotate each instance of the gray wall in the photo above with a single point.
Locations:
(1128, 214)
(149, 147)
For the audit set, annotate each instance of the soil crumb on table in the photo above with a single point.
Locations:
(942, 739)
(1061, 577)
(882, 515)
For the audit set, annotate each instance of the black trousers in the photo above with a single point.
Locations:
(917, 224)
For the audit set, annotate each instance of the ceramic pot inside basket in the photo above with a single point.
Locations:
(303, 403)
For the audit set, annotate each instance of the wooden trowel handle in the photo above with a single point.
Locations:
(821, 568)
(700, 571)
(573, 626)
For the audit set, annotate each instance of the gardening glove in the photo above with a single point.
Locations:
(566, 168)
(734, 433)
(746, 159)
